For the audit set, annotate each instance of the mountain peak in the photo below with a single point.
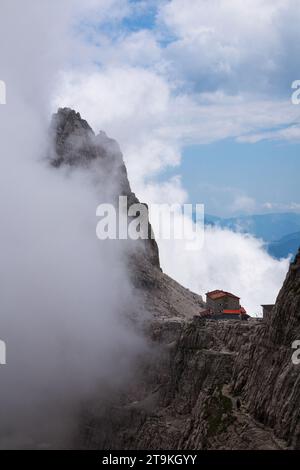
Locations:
(70, 118)
(74, 143)
(72, 138)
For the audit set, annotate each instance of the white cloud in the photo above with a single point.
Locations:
(290, 134)
(63, 324)
(228, 260)
(139, 48)
(233, 45)
(244, 204)
(132, 105)
(141, 96)
(275, 206)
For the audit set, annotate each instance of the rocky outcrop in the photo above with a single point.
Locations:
(201, 384)
(211, 385)
(265, 374)
(184, 398)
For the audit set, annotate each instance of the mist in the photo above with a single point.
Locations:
(66, 298)
(227, 260)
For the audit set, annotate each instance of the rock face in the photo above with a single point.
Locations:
(265, 374)
(75, 144)
(187, 396)
(218, 385)
(203, 384)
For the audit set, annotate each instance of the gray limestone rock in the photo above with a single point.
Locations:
(203, 384)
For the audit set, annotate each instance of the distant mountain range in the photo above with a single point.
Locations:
(286, 246)
(281, 232)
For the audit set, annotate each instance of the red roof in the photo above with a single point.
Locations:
(218, 294)
(235, 312)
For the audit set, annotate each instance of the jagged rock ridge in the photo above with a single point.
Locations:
(74, 143)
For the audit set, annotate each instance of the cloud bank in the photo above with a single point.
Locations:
(65, 297)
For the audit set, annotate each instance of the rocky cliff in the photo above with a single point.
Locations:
(202, 384)
(217, 385)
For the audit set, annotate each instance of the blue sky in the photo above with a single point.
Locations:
(264, 172)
